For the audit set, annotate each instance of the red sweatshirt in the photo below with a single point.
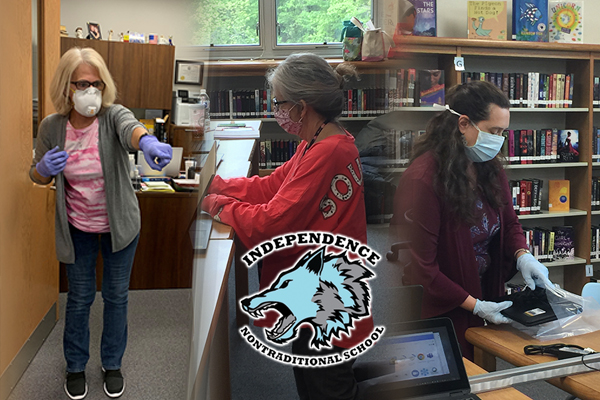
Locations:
(320, 191)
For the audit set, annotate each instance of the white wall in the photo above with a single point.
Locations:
(168, 18)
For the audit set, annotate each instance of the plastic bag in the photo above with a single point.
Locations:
(576, 315)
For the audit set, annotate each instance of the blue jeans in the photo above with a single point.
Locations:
(82, 292)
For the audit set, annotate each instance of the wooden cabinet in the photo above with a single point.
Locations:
(143, 73)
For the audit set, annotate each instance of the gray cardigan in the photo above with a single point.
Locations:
(115, 127)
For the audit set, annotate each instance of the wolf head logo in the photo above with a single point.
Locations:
(327, 291)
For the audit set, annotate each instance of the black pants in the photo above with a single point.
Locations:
(326, 383)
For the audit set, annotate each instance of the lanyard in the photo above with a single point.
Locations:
(315, 137)
(310, 144)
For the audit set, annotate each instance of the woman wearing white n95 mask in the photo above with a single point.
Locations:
(466, 239)
(84, 149)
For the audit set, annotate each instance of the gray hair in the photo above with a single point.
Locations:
(309, 77)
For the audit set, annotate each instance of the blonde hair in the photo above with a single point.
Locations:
(73, 58)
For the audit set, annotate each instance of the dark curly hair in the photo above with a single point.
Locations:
(444, 139)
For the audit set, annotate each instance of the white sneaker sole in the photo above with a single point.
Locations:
(112, 395)
(76, 397)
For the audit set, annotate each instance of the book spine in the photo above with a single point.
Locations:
(523, 209)
(551, 246)
(350, 103)
(512, 87)
(554, 145)
(268, 154)
(571, 84)
(263, 161)
(535, 193)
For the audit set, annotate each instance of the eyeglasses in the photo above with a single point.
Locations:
(277, 103)
(82, 85)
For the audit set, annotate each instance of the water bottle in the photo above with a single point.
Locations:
(205, 101)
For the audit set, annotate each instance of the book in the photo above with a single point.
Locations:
(564, 247)
(530, 20)
(415, 17)
(568, 145)
(565, 21)
(431, 87)
(559, 195)
(487, 20)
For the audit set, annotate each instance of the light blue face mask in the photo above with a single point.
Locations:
(486, 147)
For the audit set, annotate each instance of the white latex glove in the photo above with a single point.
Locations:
(490, 311)
(534, 272)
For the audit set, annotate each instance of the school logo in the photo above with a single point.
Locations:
(326, 290)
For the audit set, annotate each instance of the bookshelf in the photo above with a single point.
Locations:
(582, 60)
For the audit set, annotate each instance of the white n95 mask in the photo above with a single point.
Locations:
(87, 102)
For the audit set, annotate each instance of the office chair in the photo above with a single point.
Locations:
(591, 289)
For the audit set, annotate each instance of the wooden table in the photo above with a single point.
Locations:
(507, 343)
(501, 394)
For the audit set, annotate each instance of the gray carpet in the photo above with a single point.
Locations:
(156, 362)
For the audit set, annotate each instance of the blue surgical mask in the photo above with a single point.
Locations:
(486, 147)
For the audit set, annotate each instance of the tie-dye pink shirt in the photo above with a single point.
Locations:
(84, 181)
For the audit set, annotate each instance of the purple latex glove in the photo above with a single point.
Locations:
(52, 163)
(157, 154)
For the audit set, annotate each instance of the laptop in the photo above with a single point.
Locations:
(202, 224)
(172, 169)
(532, 307)
(419, 360)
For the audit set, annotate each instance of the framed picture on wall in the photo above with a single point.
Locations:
(94, 32)
(189, 72)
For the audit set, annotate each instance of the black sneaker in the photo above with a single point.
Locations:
(114, 384)
(75, 385)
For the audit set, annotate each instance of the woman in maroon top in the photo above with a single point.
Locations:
(466, 240)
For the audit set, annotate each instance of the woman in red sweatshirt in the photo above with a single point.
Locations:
(319, 189)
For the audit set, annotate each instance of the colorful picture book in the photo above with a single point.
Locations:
(487, 20)
(559, 195)
(565, 21)
(568, 145)
(417, 17)
(530, 20)
(431, 87)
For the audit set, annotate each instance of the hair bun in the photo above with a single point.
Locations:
(346, 71)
